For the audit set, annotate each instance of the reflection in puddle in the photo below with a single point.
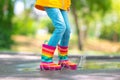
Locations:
(96, 64)
(28, 67)
(102, 65)
(87, 65)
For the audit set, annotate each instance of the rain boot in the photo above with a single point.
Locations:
(47, 58)
(63, 58)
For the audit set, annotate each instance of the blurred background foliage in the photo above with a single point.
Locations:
(47, 24)
(89, 19)
(23, 24)
(6, 28)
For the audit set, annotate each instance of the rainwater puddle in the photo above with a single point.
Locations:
(27, 67)
(102, 65)
(84, 64)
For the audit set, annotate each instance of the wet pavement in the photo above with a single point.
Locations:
(25, 66)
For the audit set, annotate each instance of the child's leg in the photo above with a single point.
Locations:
(59, 24)
(66, 36)
(63, 47)
(48, 49)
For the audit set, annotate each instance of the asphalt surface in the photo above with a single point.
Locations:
(25, 66)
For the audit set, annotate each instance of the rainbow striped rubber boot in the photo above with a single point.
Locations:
(63, 58)
(47, 58)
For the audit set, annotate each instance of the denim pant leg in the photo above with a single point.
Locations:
(59, 24)
(66, 36)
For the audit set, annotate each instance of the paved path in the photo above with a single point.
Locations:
(25, 66)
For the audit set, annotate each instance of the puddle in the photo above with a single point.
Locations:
(102, 65)
(82, 64)
(27, 67)
(96, 64)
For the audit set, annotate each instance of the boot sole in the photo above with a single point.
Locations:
(71, 67)
(43, 68)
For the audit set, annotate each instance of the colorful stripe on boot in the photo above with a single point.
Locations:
(47, 53)
(63, 51)
(63, 59)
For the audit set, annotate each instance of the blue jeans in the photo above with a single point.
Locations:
(62, 27)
